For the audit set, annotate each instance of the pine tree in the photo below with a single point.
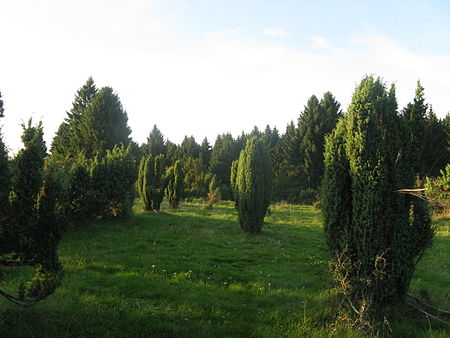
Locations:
(253, 185)
(156, 144)
(376, 234)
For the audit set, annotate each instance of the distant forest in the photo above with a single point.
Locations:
(97, 122)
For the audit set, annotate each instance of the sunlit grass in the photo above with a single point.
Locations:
(192, 272)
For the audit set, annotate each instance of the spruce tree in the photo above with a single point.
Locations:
(104, 124)
(415, 114)
(96, 123)
(156, 144)
(253, 185)
(69, 139)
(317, 120)
(375, 233)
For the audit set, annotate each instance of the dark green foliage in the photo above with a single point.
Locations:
(205, 153)
(175, 184)
(317, 120)
(428, 136)
(196, 178)
(32, 221)
(104, 124)
(155, 143)
(102, 188)
(96, 123)
(80, 195)
(188, 148)
(112, 183)
(1, 105)
(151, 182)
(271, 138)
(436, 155)
(233, 178)
(376, 234)
(287, 166)
(5, 175)
(69, 139)
(253, 185)
(172, 152)
(226, 149)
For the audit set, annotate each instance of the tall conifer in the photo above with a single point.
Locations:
(375, 233)
(253, 185)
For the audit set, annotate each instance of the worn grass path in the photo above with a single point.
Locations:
(193, 273)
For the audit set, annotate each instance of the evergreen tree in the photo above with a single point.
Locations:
(31, 221)
(104, 124)
(225, 150)
(436, 154)
(1, 105)
(155, 143)
(112, 184)
(415, 114)
(172, 153)
(151, 181)
(196, 178)
(253, 185)
(188, 148)
(287, 165)
(376, 234)
(205, 153)
(233, 178)
(175, 184)
(271, 138)
(317, 120)
(69, 139)
(95, 124)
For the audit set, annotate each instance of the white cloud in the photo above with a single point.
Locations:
(318, 42)
(275, 32)
(221, 34)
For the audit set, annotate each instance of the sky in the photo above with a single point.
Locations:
(206, 67)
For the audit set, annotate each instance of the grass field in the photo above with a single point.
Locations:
(193, 273)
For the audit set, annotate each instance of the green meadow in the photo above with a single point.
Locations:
(191, 272)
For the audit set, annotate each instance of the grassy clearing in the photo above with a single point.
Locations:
(193, 273)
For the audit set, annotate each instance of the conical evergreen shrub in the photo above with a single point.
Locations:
(376, 234)
(253, 185)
